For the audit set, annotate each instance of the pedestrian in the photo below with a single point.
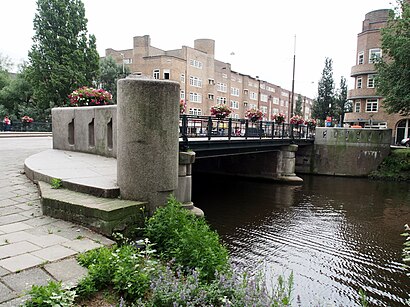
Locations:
(6, 123)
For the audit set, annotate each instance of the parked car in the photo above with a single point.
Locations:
(405, 142)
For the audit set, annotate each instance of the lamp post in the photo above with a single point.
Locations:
(293, 78)
(123, 70)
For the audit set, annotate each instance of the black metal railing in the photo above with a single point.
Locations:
(192, 126)
(27, 127)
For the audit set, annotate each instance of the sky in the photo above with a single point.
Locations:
(258, 38)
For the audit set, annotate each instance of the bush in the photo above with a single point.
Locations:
(396, 166)
(187, 240)
(53, 294)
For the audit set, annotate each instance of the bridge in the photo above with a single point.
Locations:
(208, 136)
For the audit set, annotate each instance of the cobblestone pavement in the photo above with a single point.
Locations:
(34, 248)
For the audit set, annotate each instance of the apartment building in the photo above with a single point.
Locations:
(205, 81)
(368, 111)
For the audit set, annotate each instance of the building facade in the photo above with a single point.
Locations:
(205, 81)
(368, 111)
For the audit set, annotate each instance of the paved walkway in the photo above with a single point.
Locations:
(33, 248)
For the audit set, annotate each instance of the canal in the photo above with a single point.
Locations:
(337, 235)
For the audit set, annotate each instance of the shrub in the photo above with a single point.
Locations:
(396, 166)
(53, 294)
(187, 239)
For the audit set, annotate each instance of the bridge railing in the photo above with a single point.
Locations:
(194, 126)
(25, 127)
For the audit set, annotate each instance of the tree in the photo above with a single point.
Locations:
(342, 104)
(62, 57)
(323, 105)
(110, 72)
(393, 69)
(298, 108)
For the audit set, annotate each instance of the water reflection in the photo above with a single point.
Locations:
(337, 235)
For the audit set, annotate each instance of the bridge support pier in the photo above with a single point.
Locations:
(184, 191)
(286, 164)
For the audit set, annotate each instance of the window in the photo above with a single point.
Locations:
(155, 73)
(357, 106)
(371, 81)
(275, 101)
(359, 82)
(236, 116)
(372, 105)
(285, 94)
(234, 91)
(196, 63)
(225, 76)
(211, 81)
(211, 96)
(245, 92)
(182, 94)
(127, 61)
(234, 104)
(270, 89)
(264, 110)
(195, 81)
(264, 98)
(195, 97)
(253, 96)
(253, 106)
(275, 110)
(195, 111)
(374, 54)
(166, 74)
(221, 100)
(360, 58)
(182, 78)
(221, 87)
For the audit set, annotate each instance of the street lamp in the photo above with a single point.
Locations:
(123, 70)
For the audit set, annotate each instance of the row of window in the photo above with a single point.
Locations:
(372, 105)
(371, 81)
(374, 54)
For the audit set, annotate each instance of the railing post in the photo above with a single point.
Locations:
(229, 128)
(260, 129)
(209, 127)
(184, 133)
(283, 130)
(246, 128)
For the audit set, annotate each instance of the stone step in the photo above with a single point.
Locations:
(103, 215)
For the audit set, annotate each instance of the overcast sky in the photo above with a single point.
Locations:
(260, 33)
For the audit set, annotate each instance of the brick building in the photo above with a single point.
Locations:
(205, 81)
(368, 110)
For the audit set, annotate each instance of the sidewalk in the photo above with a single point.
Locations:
(34, 249)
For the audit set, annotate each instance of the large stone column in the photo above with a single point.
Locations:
(148, 137)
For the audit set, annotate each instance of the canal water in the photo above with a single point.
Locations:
(337, 235)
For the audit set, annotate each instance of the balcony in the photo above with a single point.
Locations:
(363, 69)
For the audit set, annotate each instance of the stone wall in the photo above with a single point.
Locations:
(86, 129)
(344, 151)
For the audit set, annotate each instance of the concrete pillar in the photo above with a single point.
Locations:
(147, 140)
(184, 192)
(286, 164)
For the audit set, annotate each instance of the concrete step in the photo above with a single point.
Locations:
(14, 134)
(79, 172)
(103, 215)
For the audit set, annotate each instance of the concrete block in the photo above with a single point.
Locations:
(67, 271)
(83, 116)
(106, 130)
(31, 277)
(20, 262)
(53, 253)
(61, 119)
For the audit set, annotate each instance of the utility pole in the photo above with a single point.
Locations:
(293, 78)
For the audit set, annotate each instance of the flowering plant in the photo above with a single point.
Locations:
(297, 120)
(88, 96)
(254, 115)
(182, 106)
(26, 119)
(220, 110)
(279, 118)
(311, 122)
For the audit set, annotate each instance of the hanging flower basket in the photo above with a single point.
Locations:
(254, 115)
(311, 122)
(182, 107)
(220, 111)
(88, 96)
(279, 118)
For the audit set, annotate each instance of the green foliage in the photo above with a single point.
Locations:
(187, 239)
(393, 70)
(363, 298)
(324, 104)
(298, 108)
(406, 248)
(110, 72)
(62, 57)
(396, 166)
(342, 104)
(53, 294)
(56, 183)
